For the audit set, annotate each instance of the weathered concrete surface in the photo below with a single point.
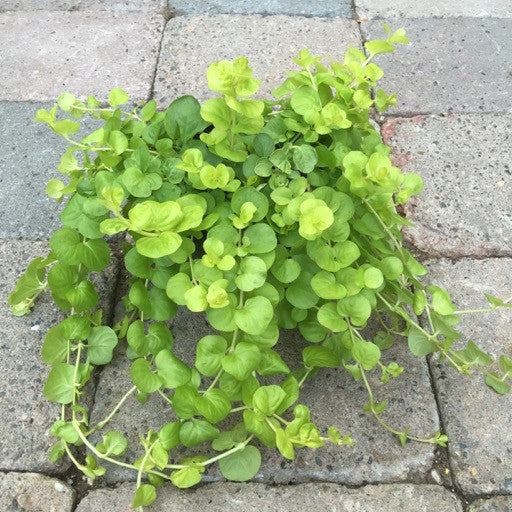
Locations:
(247, 497)
(82, 5)
(465, 161)
(493, 504)
(456, 65)
(84, 53)
(445, 9)
(31, 492)
(334, 399)
(192, 43)
(290, 7)
(26, 415)
(477, 420)
(29, 155)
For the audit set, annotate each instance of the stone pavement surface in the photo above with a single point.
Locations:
(452, 126)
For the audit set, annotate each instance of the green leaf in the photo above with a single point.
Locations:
(83, 296)
(172, 372)
(241, 465)
(271, 363)
(209, 353)
(94, 254)
(266, 399)
(255, 315)
(183, 119)
(494, 381)
(64, 244)
(319, 356)
(114, 443)
(169, 435)
(259, 238)
(142, 376)
(118, 142)
(305, 158)
(441, 301)
(419, 343)
(373, 278)
(186, 477)
(252, 274)
(195, 432)
(242, 361)
(100, 344)
(379, 46)
(55, 346)
(286, 271)
(144, 495)
(284, 445)
(366, 353)
(214, 405)
(117, 97)
(59, 386)
(140, 184)
(329, 317)
(325, 286)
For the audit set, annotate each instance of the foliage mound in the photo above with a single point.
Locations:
(262, 214)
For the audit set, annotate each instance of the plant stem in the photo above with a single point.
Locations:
(381, 421)
(102, 423)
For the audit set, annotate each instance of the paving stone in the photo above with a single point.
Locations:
(85, 53)
(192, 43)
(457, 65)
(334, 398)
(26, 414)
(31, 492)
(82, 5)
(316, 497)
(29, 155)
(494, 504)
(290, 7)
(445, 9)
(477, 420)
(465, 162)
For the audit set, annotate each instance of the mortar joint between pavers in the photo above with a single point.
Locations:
(159, 52)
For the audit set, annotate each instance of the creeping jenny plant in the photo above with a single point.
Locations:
(263, 215)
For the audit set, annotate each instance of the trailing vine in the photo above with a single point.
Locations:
(263, 215)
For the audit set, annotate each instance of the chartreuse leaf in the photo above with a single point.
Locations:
(186, 477)
(114, 443)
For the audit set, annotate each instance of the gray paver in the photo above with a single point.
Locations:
(457, 65)
(29, 155)
(46, 53)
(477, 419)
(290, 7)
(82, 5)
(192, 43)
(494, 504)
(26, 414)
(447, 8)
(465, 162)
(316, 497)
(31, 492)
(334, 398)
